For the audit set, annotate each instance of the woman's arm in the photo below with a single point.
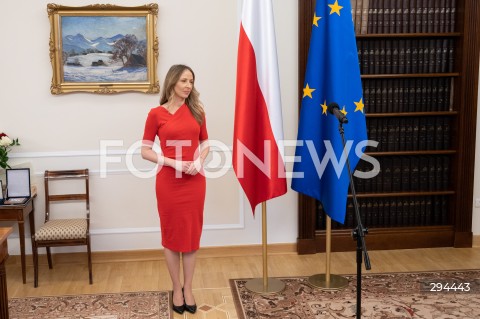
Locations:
(197, 165)
(150, 155)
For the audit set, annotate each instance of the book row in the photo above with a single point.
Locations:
(405, 56)
(408, 95)
(393, 212)
(404, 174)
(409, 133)
(403, 16)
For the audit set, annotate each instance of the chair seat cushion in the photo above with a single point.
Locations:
(59, 229)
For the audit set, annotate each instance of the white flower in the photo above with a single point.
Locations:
(5, 141)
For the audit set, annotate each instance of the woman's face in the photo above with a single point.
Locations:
(184, 85)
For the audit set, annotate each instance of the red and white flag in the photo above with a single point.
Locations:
(258, 158)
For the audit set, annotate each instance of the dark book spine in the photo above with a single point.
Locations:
(391, 135)
(442, 16)
(401, 95)
(408, 56)
(380, 16)
(392, 213)
(436, 17)
(424, 26)
(434, 95)
(399, 212)
(448, 10)
(387, 175)
(428, 211)
(441, 95)
(376, 57)
(415, 174)
(406, 17)
(373, 17)
(365, 60)
(396, 96)
(390, 102)
(446, 133)
(378, 98)
(451, 55)
(432, 53)
(381, 57)
(438, 173)
(384, 213)
(420, 61)
(401, 56)
(428, 105)
(405, 186)
(359, 53)
(393, 16)
(397, 174)
(422, 133)
(371, 57)
(384, 96)
(412, 20)
(430, 15)
(432, 173)
(414, 56)
(418, 16)
(399, 13)
(439, 125)
(395, 56)
(416, 128)
(388, 56)
(438, 56)
(402, 135)
(430, 139)
(453, 12)
(386, 16)
(411, 95)
(444, 210)
(446, 173)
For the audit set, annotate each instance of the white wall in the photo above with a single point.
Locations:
(60, 132)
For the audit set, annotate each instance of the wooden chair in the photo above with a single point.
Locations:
(63, 232)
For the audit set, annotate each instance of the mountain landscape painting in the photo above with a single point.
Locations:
(104, 49)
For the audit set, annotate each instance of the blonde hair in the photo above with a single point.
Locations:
(192, 101)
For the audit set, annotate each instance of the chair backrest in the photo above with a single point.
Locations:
(51, 176)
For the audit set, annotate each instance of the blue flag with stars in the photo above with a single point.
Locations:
(332, 75)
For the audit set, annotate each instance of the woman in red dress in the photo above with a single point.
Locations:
(179, 122)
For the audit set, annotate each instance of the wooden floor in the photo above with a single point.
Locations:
(214, 268)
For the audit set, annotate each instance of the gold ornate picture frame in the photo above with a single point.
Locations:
(103, 48)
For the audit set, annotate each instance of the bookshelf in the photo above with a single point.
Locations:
(419, 61)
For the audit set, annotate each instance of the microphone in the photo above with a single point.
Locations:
(335, 110)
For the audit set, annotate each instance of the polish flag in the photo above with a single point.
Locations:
(258, 158)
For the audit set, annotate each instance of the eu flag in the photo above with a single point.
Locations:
(332, 75)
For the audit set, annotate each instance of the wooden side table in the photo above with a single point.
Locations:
(19, 213)
(4, 232)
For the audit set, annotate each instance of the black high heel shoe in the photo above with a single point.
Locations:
(190, 308)
(178, 309)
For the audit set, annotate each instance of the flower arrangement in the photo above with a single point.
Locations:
(5, 146)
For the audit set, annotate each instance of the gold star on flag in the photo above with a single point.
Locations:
(324, 107)
(359, 105)
(335, 8)
(344, 111)
(315, 19)
(307, 91)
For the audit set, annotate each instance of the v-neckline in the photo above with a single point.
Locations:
(176, 111)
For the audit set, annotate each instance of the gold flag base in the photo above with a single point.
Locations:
(257, 285)
(335, 283)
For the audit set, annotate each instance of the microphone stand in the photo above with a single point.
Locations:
(358, 233)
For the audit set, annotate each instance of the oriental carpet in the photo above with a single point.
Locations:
(387, 295)
(152, 305)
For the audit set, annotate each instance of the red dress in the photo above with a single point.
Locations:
(180, 197)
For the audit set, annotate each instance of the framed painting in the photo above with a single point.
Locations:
(103, 48)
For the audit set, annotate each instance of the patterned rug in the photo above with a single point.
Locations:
(153, 305)
(431, 295)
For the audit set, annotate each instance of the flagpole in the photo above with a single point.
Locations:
(328, 281)
(265, 284)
